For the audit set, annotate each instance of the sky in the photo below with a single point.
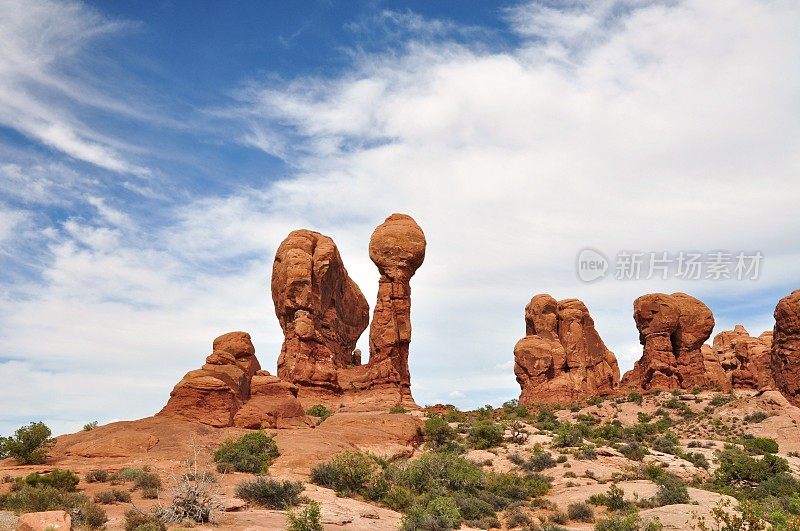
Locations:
(153, 155)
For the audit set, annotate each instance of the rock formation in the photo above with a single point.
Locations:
(323, 313)
(744, 359)
(231, 390)
(672, 329)
(397, 247)
(785, 353)
(562, 357)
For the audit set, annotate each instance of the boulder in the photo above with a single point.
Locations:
(321, 311)
(45, 521)
(231, 390)
(273, 403)
(672, 329)
(562, 358)
(744, 359)
(785, 351)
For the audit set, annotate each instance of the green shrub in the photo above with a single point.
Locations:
(697, 459)
(142, 478)
(318, 410)
(43, 497)
(756, 417)
(147, 481)
(89, 515)
(485, 434)
(90, 426)
(399, 498)
(438, 433)
(252, 452)
(270, 493)
(63, 480)
(105, 497)
(546, 419)
(613, 498)
(441, 513)
(586, 452)
(307, 519)
(539, 460)
(721, 400)
(559, 517)
(398, 409)
(671, 491)
(97, 476)
(749, 517)
(514, 487)
(136, 520)
(628, 522)
(150, 493)
(568, 435)
(347, 473)
(667, 443)
(29, 445)
(635, 397)
(516, 517)
(739, 469)
(580, 512)
(471, 507)
(487, 522)
(28, 499)
(634, 450)
(760, 445)
(121, 495)
(434, 471)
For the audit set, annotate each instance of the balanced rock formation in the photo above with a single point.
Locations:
(231, 390)
(397, 247)
(672, 329)
(323, 313)
(562, 357)
(744, 359)
(785, 353)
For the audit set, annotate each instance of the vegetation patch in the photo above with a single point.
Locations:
(252, 452)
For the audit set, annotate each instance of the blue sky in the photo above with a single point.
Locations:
(154, 154)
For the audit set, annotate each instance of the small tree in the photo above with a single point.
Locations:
(308, 519)
(29, 445)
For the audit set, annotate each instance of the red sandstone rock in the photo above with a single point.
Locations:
(785, 353)
(744, 359)
(397, 247)
(273, 403)
(47, 520)
(322, 312)
(221, 391)
(562, 358)
(672, 329)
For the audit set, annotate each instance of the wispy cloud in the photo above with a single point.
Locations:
(40, 83)
(621, 126)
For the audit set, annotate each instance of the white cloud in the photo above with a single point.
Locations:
(40, 84)
(637, 125)
(672, 127)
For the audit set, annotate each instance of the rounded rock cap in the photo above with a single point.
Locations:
(237, 343)
(397, 246)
